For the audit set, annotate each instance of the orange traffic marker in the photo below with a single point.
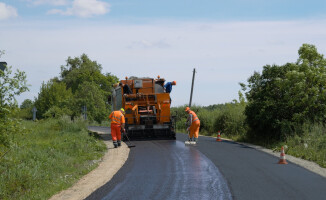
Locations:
(218, 136)
(282, 157)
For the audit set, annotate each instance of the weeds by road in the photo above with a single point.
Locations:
(50, 157)
(310, 146)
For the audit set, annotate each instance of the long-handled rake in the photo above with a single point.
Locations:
(129, 143)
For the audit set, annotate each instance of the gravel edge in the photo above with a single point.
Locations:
(110, 164)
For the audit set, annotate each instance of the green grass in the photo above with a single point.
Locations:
(50, 157)
(310, 146)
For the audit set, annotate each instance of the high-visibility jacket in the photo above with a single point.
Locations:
(193, 116)
(117, 118)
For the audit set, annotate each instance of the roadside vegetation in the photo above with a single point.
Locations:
(228, 118)
(81, 84)
(282, 106)
(40, 158)
(49, 156)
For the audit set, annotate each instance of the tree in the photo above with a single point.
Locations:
(10, 87)
(89, 94)
(81, 69)
(87, 83)
(25, 111)
(281, 98)
(81, 83)
(27, 103)
(55, 96)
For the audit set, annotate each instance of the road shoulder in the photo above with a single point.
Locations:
(111, 162)
(311, 166)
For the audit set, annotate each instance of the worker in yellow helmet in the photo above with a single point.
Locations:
(117, 124)
(194, 125)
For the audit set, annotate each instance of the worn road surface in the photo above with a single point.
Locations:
(166, 169)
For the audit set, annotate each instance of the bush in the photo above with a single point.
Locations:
(229, 118)
(231, 121)
(207, 118)
(181, 117)
(56, 112)
(310, 144)
(281, 98)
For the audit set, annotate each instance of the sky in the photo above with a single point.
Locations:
(226, 41)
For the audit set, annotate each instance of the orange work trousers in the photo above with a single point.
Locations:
(115, 131)
(194, 129)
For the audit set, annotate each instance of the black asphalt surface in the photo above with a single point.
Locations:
(167, 169)
(252, 174)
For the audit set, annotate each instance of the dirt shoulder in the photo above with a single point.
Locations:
(111, 162)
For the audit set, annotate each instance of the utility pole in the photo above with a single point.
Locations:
(192, 86)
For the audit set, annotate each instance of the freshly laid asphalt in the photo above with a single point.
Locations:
(167, 169)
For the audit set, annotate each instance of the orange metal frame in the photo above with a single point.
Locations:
(144, 100)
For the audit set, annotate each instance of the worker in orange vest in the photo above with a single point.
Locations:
(194, 124)
(117, 124)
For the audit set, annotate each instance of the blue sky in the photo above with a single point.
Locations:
(225, 40)
(185, 9)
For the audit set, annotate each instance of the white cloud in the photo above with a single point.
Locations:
(224, 54)
(50, 2)
(84, 8)
(7, 12)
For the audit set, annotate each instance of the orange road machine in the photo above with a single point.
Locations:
(147, 108)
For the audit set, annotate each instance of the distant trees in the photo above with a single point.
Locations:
(54, 100)
(282, 98)
(81, 83)
(26, 109)
(27, 103)
(90, 95)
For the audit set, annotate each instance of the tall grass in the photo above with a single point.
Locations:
(50, 157)
(310, 145)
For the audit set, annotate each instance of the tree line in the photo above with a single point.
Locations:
(81, 83)
(277, 103)
(274, 104)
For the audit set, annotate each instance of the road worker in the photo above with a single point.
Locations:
(117, 124)
(193, 125)
(168, 86)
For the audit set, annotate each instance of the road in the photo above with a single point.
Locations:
(166, 169)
